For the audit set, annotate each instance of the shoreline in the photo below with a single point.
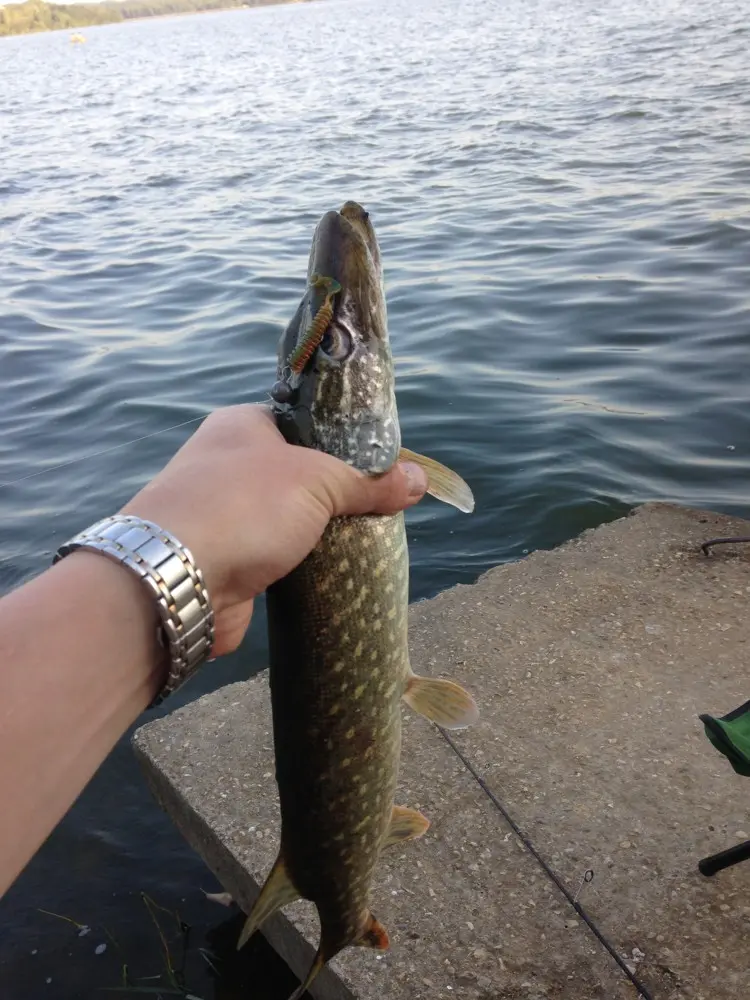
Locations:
(77, 29)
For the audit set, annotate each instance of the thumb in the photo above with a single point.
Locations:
(231, 625)
(402, 486)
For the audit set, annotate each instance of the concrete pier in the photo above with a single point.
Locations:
(590, 664)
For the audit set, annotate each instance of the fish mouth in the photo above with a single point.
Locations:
(346, 255)
(335, 390)
(346, 249)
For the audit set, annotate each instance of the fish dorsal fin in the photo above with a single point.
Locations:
(374, 935)
(406, 824)
(277, 891)
(443, 483)
(441, 701)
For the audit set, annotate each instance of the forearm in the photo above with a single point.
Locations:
(79, 661)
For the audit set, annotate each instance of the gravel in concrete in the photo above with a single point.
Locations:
(590, 664)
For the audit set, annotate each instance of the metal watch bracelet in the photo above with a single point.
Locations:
(169, 572)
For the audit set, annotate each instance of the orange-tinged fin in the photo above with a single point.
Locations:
(443, 483)
(443, 702)
(374, 935)
(315, 968)
(406, 824)
(277, 892)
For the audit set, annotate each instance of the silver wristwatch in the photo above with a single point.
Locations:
(169, 572)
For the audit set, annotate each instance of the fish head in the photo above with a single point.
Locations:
(336, 387)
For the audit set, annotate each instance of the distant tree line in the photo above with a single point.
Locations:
(36, 15)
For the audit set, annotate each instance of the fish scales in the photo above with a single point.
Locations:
(339, 665)
(337, 624)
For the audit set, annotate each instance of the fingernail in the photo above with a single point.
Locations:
(416, 479)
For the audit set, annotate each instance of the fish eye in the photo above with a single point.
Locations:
(336, 343)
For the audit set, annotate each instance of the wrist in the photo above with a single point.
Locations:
(117, 600)
(165, 570)
(159, 508)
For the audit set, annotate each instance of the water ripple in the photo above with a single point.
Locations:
(561, 193)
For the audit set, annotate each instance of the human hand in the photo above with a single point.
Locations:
(250, 507)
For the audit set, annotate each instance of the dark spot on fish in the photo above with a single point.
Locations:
(361, 742)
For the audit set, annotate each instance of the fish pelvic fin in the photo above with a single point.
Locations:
(277, 891)
(374, 935)
(406, 824)
(441, 701)
(442, 483)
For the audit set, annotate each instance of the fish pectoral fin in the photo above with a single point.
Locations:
(277, 891)
(441, 701)
(406, 824)
(443, 483)
(374, 935)
(315, 968)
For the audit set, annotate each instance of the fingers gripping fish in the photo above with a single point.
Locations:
(339, 657)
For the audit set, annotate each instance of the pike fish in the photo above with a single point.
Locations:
(337, 625)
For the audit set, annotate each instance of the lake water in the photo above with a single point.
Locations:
(561, 196)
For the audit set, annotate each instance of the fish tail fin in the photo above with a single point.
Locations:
(277, 891)
(441, 701)
(320, 961)
(373, 935)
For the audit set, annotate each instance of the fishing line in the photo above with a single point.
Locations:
(573, 900)
(296, 362)
(104, 451)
